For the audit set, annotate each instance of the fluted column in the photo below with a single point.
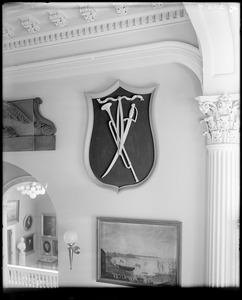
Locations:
(221, 118)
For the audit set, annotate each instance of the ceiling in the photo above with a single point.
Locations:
(35, 32)
(27, 18)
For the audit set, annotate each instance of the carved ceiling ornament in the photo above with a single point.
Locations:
(222, 119)
(31, 24)
(157, 4)
(8, 31)
(121, 8)
(88, 13)
(59, 18)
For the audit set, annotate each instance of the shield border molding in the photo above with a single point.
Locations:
(91, 95)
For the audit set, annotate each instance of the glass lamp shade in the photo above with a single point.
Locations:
(70, 237)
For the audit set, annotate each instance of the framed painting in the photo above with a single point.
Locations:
(29, 242)
(12, 211)
(136, 252)
(55, 247)
(48, 225)
(47, 248)
(28, 221)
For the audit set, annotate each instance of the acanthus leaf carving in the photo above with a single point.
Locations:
(45, 126)
(221, 119)
(12, 112)
(121, 8)
(8, 31)
(88, 13)
(59, 18)
(9, 132)
(31, 24)
(157, 4)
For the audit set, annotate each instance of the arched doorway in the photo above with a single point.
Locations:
(29, 231)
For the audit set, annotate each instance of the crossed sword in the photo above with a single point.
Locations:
(118, 131)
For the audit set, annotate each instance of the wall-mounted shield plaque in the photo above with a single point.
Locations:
(120, 148)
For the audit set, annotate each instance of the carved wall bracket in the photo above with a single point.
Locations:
(24, 128)
(222, 118)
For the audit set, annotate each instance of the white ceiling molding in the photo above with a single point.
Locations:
(8, 31)
(221, 5)
(17, 7)
(59, 18)
(121, 8)
(147, 19)
(31, 24)
(218, 30)
(136, 56)
(88, 13)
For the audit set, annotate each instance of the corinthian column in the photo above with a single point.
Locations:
(221, 120)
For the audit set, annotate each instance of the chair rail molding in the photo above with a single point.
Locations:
(142, 55)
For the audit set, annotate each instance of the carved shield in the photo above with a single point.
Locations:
(120, 148)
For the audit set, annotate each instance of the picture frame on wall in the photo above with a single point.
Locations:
(12, 211)
(48, 225)
(28, 221)
(55, 247)
(47, 248)
(29, 242)
(137, 252)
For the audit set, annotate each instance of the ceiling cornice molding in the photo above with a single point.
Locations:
(153, 18)
(137, 56)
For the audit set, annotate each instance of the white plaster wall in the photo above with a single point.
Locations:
(175, 191)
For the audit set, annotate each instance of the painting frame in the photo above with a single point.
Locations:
(138, 252)
(28, 222)
(29, 242)
(47, 247)
(12, 211)
(55, 247)
(48, 226)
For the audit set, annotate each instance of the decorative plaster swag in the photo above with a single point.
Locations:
(221, 118)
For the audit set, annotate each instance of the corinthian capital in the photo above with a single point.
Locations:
(221, 118)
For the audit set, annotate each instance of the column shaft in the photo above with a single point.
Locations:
(223, 215)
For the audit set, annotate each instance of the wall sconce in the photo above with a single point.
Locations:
(70, 237)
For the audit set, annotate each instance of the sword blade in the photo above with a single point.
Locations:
(119, 150)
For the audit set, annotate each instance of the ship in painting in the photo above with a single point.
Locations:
(122, 265)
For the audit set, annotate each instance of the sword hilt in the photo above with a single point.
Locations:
(106, 107)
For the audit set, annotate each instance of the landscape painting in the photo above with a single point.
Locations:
(138, 252)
